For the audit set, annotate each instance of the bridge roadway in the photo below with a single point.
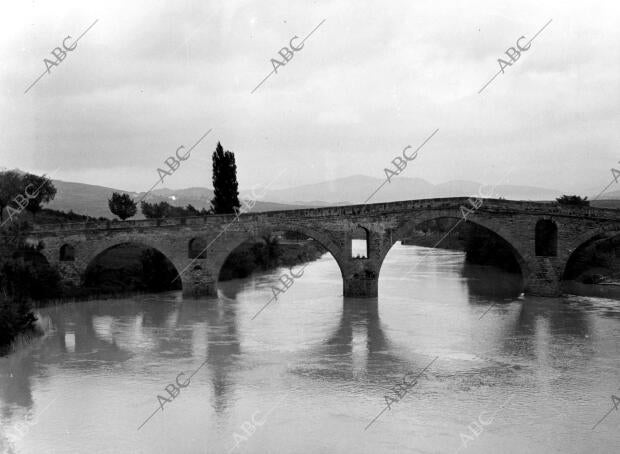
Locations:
(542, 236)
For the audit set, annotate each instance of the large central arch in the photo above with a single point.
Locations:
(219, 257)
(413, 222)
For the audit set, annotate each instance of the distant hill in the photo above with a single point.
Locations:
(611, 204)
(82, 198)
(357, 188)
(615, 195)
(92, 200)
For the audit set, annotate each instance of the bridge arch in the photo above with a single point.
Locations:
(323, 238)
(493, 227)
(67, 253)
(585, 240)
(144, 242)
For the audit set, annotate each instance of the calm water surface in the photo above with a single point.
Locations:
(313, 367)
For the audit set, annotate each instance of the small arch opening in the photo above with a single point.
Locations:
(197, 248)
(67, 253)
(359, 243)
(546, 238)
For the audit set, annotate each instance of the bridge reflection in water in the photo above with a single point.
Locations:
(334, 357)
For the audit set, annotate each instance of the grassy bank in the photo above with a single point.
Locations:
(18, 324)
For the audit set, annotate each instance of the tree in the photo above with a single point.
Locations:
(225, 186)
(190, 210)
(10, 186)
(155, 210)
(24, 276)
(41, 188)
(165, 210)
(574, 200)
(122, 205)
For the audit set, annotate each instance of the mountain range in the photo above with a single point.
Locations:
(93, 200)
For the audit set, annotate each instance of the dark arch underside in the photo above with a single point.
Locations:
(275, 248)
(131, 266)
(598, 256)
(481, 244)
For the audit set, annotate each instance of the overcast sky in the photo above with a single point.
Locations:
(372, 79)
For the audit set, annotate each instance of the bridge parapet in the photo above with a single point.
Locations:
(370, 210)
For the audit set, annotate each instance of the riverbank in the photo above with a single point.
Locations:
(19, 337)
(601, 290)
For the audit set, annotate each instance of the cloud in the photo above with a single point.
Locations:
(150, 77)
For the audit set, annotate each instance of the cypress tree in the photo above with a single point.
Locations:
(225, 186)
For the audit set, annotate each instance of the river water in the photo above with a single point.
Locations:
(512, 374)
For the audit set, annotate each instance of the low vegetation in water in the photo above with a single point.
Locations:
(23, 278)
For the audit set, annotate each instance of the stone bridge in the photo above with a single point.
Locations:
(542, 237)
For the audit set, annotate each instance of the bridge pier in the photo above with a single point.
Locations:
(361, 286)
(198, 281)
(544, 279)
(360, 280)
(71, 274)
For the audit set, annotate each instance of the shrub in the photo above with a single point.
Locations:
(574, 200)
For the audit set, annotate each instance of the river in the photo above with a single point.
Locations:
(511, 374)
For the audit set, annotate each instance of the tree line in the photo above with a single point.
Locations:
(25, 276)
(21, 190)
(21, 278)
